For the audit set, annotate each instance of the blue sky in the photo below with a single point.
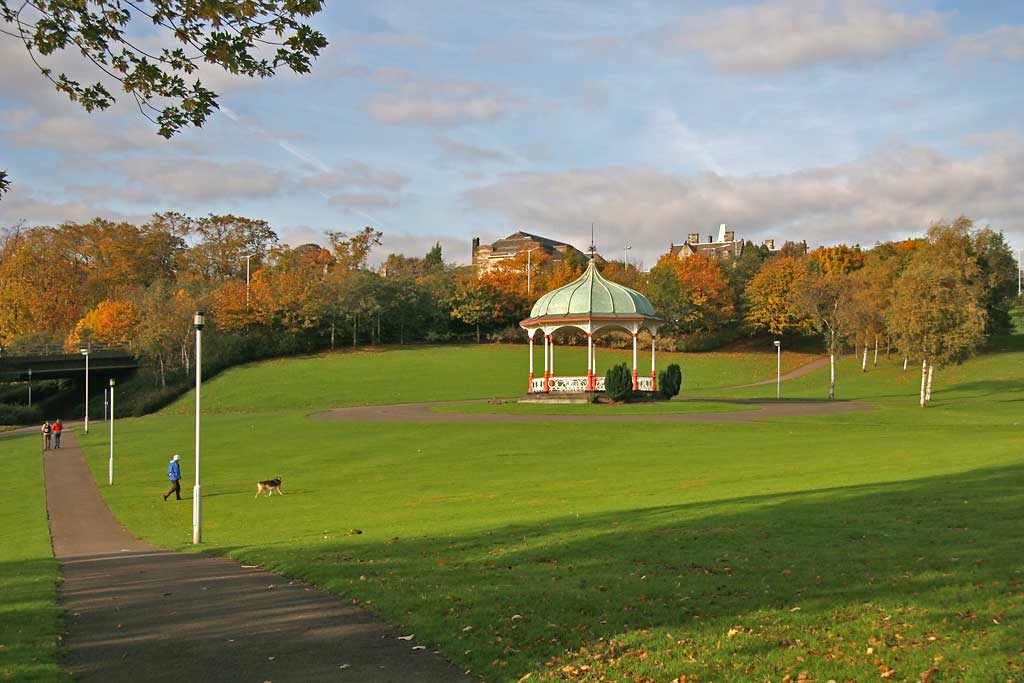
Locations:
(824, 120)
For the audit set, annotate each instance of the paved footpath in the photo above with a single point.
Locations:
(138, 613)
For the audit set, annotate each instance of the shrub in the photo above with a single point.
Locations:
(670, 380)
(19, 415)
(618, 382)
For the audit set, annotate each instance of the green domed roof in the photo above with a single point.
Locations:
(591, 295)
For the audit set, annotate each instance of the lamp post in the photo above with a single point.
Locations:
(778, 370)
(85, 352)
(247, 257)
(104, 404)
(625, 255)
(529, 269)
(110, 463)
(197, 321)
(30, 387)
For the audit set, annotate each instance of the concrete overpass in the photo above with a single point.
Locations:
(103, 362)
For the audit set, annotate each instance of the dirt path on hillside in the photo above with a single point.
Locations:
(424, 412)
(804, 369)
(139, 613)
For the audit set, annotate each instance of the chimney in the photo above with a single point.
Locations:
(711, 238)
(476, 245)
(730, 235)
(721, 232)
(693, 238)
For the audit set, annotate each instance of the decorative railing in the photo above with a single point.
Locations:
(645, 383)
(569, 385)
(537, 385)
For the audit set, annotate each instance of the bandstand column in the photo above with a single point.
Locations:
(654, 375)
(529, 389)
(635, 383)
(590, 361)
(547, 363)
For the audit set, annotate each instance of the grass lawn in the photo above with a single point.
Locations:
(657, 408)
(865, 546)
(29, 616)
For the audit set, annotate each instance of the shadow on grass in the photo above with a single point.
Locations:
(922, 568)
(29, 621)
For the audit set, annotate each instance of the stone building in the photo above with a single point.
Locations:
(725, 245)
(486, 255)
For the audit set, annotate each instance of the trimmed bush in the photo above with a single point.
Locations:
(19, 415)
(670, 380)
(618, 382)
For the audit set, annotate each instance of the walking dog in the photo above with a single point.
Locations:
(269, 485)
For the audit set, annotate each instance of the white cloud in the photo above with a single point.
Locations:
(784, 34)
(889, 194)
(470, 153)
(355, 175)
(198, 180)
(1002, 42)
(437, 102)
(363, 200)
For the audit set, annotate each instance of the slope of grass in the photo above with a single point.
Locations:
(29, 616)
(413, 374)
(654, 408)
(870, 546)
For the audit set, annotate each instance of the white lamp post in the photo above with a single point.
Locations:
(85, 352)
(30, 387)
(778, 370)
(110, 463)
(625, 256)
(105, 404)
(247, 257)
(198, 322)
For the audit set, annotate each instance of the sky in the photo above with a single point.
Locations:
(828, 121)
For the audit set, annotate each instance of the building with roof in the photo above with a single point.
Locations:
(589, 303)
(486, 255)
(725, 246)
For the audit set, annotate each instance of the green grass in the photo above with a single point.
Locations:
(416, 373)
(29, 616)
(659, 408)
(843, 546)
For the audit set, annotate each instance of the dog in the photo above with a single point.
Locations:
(269, 485)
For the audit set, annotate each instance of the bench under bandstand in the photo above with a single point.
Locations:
(589, 304)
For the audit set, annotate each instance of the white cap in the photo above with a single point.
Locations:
(177, 457)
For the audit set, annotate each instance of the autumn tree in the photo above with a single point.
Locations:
(822, 297)
(870, 290)
(222, 244)
(113, 323)
(164, 336)
(769, 298)
(937, 313)
(476, 303)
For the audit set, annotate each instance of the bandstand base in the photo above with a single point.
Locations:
(584, 397)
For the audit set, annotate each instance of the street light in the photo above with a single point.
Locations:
(110, 463)
(778, 370)
(247, 257)
(625, 255)
(30, 387)
(85, 352)
(197, 321)
(529, 269)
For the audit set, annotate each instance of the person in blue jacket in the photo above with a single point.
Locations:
(174, 474)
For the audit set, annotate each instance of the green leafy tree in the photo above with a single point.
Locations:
(253, 38)
(476, 303)
(822, 298)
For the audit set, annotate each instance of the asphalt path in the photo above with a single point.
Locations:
(134, 612)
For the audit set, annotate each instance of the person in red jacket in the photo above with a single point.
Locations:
(58, 427)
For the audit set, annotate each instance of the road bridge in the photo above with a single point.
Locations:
(44, 365)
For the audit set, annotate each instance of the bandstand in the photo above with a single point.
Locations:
(590, 303)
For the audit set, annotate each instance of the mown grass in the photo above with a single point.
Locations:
(29, 616)
(416, 373)
(867, 546)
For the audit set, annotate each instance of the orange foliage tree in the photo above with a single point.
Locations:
(769, 297)
(707, 299)
(111, 322)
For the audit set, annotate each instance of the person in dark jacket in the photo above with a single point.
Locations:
(174, 474)
(46, 430)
